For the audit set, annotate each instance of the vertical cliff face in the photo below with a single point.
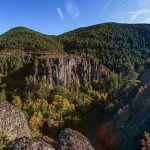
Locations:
(60, 71)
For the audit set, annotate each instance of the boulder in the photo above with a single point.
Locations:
(12, 121)
(72, 140)
(26, 143)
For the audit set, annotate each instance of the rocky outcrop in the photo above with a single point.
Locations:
(31, 144)
(72, 140)
(60, 71)
(13, 122)
(14, 125)
(68, 140)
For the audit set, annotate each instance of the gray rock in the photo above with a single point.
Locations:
(60, 70)
(12, 121)
(72, 140)
(30, 144)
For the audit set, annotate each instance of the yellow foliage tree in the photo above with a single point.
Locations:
(59, 107)
(35, 121)
(17, 101)
(36, 105)
(99, 95)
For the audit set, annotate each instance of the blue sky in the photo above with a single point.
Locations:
(58, 16)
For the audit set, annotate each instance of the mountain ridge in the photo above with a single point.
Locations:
(99, 24)
(81, 40)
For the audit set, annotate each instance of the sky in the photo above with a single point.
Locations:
(55, 17)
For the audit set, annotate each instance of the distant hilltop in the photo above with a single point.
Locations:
(87, 40)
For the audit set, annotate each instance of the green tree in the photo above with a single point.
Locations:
(2, 95)
(17, 101)
(5, 143)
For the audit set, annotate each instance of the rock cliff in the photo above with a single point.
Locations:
(60, 71)
(57, 70)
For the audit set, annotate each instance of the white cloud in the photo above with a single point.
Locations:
(138, 13)
(60, 13)
(72, 8)
(106, 6)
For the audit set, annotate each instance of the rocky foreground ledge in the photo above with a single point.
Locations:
(14, 125)
(12, 122)
(72, 140)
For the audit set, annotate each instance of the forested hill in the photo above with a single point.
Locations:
(28, 40)
(113, 44)
(108, 36)
(89, 40)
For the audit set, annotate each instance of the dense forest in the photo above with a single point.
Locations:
(113, 44)
(123, 50)
(28, 40)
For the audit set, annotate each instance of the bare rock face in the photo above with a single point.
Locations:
(12, 121)
(30, 144)
(72, 140)
(60, 71)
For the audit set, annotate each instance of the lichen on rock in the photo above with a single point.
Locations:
(14, 125)
(12, 121)
(72, 140)
(26, 143)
